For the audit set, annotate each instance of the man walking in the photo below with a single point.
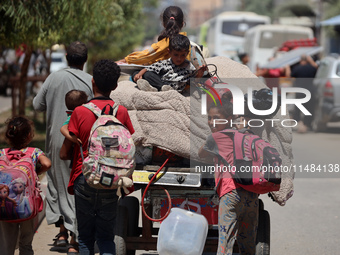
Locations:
(304, 73)
(51, 98)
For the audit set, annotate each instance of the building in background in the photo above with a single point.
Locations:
(202, 10)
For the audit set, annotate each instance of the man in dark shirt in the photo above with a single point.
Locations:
(304, 74)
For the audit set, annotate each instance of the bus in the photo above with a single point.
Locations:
(224, 34)
(262, 42)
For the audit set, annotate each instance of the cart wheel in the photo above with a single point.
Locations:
(261, 205)
(121, 247)
(121, 230)
(126, 224)
(132, 205)
(263, 234)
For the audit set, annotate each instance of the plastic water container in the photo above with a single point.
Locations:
(183, 232)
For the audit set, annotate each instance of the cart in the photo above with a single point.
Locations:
(182, 184)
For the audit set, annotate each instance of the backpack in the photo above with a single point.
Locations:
(111, 152)
(17, 172)
(257, 164)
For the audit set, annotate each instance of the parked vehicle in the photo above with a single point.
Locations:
(224, 33)
(327, 93)
(261, 42)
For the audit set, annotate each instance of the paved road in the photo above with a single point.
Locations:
(309, 224)
(310, 221)
(5, 103)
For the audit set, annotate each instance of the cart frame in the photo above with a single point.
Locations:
(130, 237)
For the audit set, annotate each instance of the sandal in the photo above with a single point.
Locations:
(73, 246)
(61, 242)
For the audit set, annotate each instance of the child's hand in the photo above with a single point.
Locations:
(79, 142)
(123, 61)
(201, 70)
(137, 77)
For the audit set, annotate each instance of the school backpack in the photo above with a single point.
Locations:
(20, 198)
(111, 152)
(256, 163)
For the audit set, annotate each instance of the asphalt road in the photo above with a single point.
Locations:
(310, 221)
(5, 103)
(309, 224)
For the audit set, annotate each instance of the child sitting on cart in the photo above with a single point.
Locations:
(238, 208)
(170, 74)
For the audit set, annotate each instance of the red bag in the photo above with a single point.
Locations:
(256, 165)
(207, 207)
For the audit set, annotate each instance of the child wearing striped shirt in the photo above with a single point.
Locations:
(170, 74)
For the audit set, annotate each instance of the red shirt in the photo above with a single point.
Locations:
(219, 144)
(80, 125)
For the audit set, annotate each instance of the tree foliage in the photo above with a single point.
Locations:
(262, 7)
(44, 22)
(110, 26)
(116, 41)
(331, 8)
(119, 42)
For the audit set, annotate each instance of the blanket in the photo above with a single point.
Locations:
(173, 121)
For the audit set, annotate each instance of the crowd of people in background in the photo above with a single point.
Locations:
(300, 75)
(11, 61)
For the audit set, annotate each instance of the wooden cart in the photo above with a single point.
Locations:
(182, 183)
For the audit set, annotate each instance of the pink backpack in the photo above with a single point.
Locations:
(20, 198)
(257, 164)
(111, 152)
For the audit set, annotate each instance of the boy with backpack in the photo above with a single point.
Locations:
(95, 208)
(238, 185)
(20, 199)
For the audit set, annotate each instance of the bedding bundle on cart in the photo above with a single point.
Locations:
(172, 121)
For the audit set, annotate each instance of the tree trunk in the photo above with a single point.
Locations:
(48, 59)
(23, 80)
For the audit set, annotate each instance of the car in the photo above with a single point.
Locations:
(58, 61)
(327, 93)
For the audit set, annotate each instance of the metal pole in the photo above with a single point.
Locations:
(318, 19)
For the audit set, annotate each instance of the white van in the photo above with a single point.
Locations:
(224, 33)
(262, 41)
